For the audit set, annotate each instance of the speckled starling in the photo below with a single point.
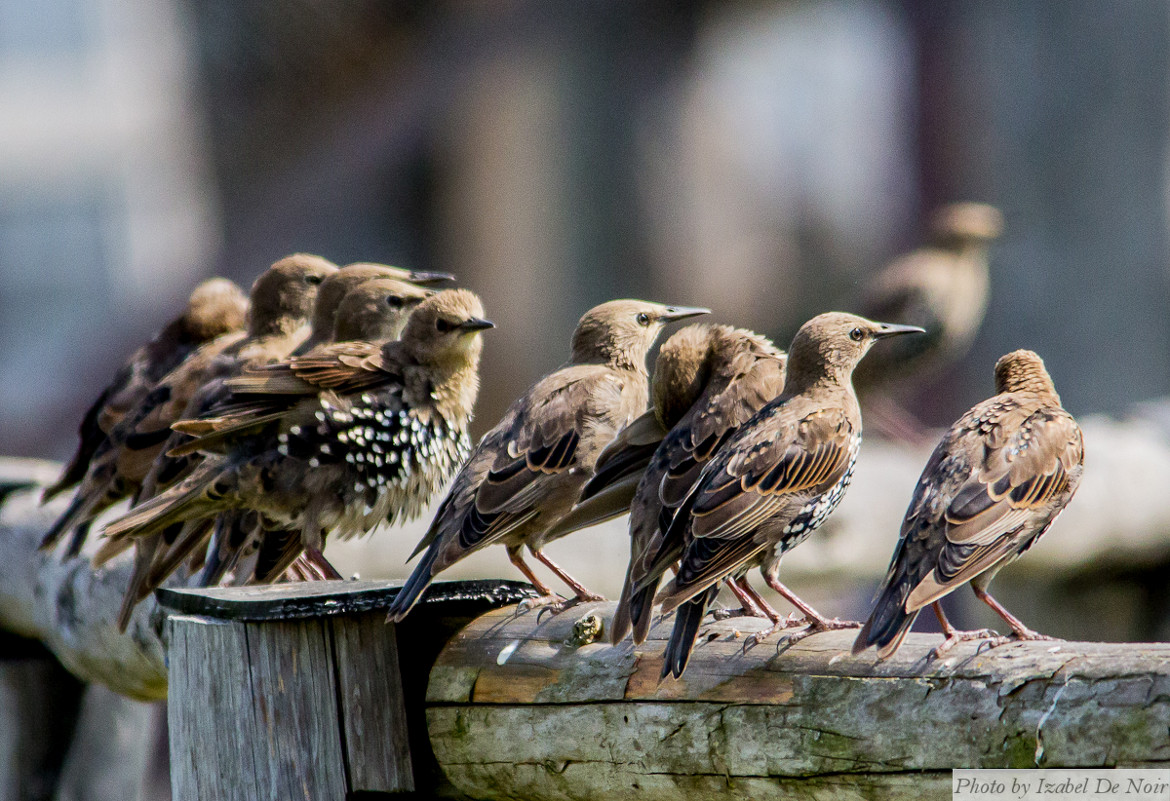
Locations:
(374, 310)
(528, 470)
(708, 381)
(216, 307)
(280, 302)
(772, 482)
(995, 483)
(376, 431)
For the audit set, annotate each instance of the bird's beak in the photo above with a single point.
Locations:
(476, 324)
(893, 330)
(424, 278)
(673, 313)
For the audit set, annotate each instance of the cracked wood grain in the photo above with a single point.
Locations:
(514, 711)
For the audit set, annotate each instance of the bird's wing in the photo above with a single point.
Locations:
(534, 449)
(627, 454)
(1005, 469)
(779, 460)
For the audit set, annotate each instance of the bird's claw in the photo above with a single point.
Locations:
(964, 636)
(541, 602)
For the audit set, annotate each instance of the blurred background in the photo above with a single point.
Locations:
(760, 158)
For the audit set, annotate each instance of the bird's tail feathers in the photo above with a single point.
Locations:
(682, 636)
(419, 579)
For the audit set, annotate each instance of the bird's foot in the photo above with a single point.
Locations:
(790, 622)
(956, 637)
(1024, 635)
(817, 625)
(561, 604)
(727, 614)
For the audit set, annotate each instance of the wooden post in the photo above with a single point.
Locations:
(518, 709)
(302, 691)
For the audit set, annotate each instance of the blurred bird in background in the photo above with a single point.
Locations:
(942, 287)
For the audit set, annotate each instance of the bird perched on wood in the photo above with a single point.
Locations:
(374, 310)
(376, 430)
(772, 482)
(998, 479)
(942, 287)
(336, 286)
(527, 471)
(708, 381)
(280, 302)
(217, 306)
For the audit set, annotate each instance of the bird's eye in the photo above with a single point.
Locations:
(443, 325)
(857, 335)
(643, 318)
(394, 302)
(313, 280)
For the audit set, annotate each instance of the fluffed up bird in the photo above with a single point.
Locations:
(374, 432)
(772, 482)
(280, 301)
(526, 472)
(216, 307)
(998, 479)
(942, 287)
(708, 380)
(374, 311)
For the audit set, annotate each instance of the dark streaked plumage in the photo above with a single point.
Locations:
(992, 487)
(528, 470)
(216, 307)
(772, 482)
(374, 310)
(708, 381)
(132, 456)
(375, 431)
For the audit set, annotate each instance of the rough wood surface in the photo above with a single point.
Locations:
(370, 703)
(808, 721)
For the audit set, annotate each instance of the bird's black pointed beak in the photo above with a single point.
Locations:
(425, 278)
(673, 313)
(893, 330)
(476, 324)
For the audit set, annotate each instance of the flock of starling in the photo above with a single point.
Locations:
(333, 400)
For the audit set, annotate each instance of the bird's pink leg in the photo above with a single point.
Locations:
(815, 620)
(1019, 630)
(581, 593)
(545, 596)
(317, 559)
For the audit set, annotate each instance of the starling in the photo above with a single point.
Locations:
(280, 302)
(217, 306)
(708, 381)
(993, 486)
(336, 286)
(943, 288)
(527, 471)
(375, 310)
(375, 431)
(773, 481)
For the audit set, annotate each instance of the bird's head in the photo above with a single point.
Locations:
(446, 327)
(420, 277)
(830, 345)
(621, 332)
(966, 223)
(217, 306)
(282, 297)
(1023, 371)
(376, 310)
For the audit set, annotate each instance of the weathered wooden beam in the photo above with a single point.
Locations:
(518, 708)
(303, 691)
